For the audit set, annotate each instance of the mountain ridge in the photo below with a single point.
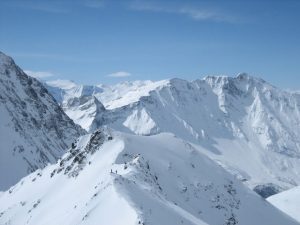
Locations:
(253, 118)
(34, 130)
(157, 179)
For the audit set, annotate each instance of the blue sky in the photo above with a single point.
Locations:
(107, 41)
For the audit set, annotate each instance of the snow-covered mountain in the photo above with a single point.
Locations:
(117, 178)
(245, 124)
(62, 90)
(86, 110)
(162, 166)
(288, 201)
(89, 114)
(112, 97)
(34, 130)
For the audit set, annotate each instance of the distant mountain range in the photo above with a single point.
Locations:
(245, 124)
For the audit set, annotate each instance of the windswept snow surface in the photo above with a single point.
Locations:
(247, 125)
(34, 130)
(288, 201)
(116, 178)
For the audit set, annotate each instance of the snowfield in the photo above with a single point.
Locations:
(288, 201)
(116, 178)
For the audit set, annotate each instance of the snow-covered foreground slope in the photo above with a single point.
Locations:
(245, 124)
(288, 201)
(34, 130)
(127, 179)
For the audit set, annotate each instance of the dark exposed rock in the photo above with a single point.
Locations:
(266, 190)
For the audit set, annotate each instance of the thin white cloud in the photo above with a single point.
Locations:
(119, 74)
(94, 3)
(196, 13)
(39, 74)
(63, 84)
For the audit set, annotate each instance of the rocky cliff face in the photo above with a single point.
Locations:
(34, 130)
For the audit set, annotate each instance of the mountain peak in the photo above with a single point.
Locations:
(5, 60)
(243, 76)
(221, 78)
(243, 82)
(99, 104)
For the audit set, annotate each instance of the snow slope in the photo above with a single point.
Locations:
(86, 110)
(34, 130)
(126, 93)
(245, 124)
(116, 178)
(288, 201)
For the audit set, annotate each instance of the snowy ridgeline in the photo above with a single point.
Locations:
(248, 126)
(34, 130)
(117, 178)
